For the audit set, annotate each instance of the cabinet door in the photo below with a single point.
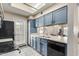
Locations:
(43, 49)
(33, 29)
(37, 22)
(41, 21)
(43, 46)
(38, 44)
(33, 42)
(48, 19)
(31, 23)
(60, 15)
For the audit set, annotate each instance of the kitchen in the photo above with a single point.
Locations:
(44, 27)
(50, 32)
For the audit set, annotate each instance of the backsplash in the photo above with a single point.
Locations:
(52, 29)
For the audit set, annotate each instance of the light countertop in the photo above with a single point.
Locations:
(53, 38)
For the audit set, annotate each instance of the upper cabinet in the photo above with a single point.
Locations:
(60, 15)
(33, 28)
(41, 21)
(37, 22)
(48, 19)
(32, 23)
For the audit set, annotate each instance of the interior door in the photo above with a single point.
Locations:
(20, 33)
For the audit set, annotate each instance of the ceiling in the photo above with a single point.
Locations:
(36, 6)
(26, 9)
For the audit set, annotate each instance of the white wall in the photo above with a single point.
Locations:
(78, 29)
(21, 35)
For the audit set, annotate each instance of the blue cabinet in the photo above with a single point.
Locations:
(32, 23)
(34, 42)
(48, 19)
(33, 29)
(41, 21)
(37, 22)
(43, 47)
(38, 44)
(60, 15)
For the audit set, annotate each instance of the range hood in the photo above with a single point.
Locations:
(1, 14)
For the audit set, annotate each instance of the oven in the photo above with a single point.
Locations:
(56, 48)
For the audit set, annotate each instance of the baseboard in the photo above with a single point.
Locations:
(21, 45)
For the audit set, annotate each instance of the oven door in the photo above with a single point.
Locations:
(56, 49)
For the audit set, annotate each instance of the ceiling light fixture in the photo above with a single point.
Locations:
(35, 5)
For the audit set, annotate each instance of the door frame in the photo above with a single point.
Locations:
(73, 30)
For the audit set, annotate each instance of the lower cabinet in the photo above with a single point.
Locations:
(38, 44)
(48, 48)
(34, 44)
(43, 47)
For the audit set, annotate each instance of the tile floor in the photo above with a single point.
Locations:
(25, 51)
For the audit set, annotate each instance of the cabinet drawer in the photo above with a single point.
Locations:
(43, 40)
